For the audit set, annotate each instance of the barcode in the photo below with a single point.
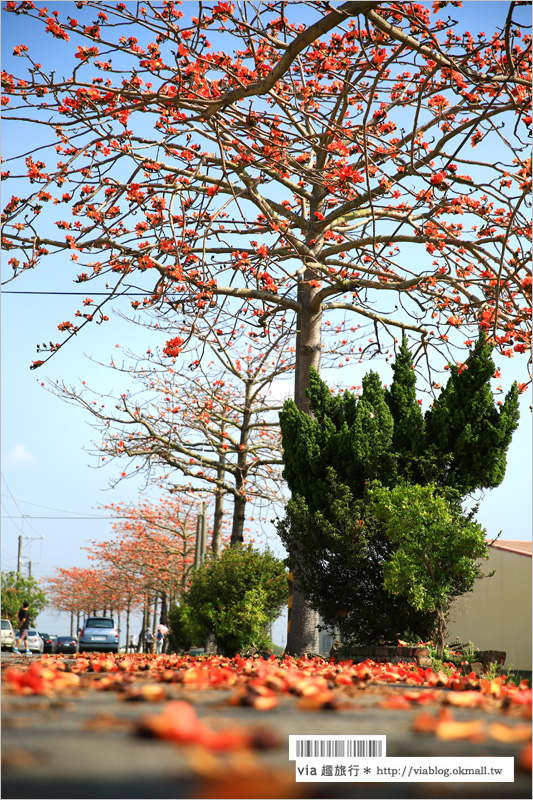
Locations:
(339, 748)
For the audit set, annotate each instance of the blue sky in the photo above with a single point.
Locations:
(52, 487)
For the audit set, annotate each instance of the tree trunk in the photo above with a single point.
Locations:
(239, 510)
(163, 614)
(239, 513)
(128, 612)
(302, 633)
(210, 646)
(219, 503)
(154, 623)
(441, 632)
(144, 627)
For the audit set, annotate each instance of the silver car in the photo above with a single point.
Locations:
(99, 633)
(33, 641)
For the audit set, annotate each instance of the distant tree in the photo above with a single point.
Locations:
(235, 598)
(436, 548)
(17, 589)
(82, 591)
(201, 421)
(151, 553)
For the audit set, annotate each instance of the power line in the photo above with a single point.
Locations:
(80, 516)
(79, 294)
(30, 516)
(49, 508)
(10, 494)
(7, 515)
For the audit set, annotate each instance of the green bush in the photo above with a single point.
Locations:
(235, 598)
(341, 555)
(437, 548)
(183, 632)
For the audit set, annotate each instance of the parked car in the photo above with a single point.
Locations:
(49, 642)
(34, 641)
(66, 644)
(8, 635)
(99, 633)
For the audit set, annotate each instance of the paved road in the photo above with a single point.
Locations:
(85, 743)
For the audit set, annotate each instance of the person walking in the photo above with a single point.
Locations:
(162, 631)
(148, 641)
(24, 624)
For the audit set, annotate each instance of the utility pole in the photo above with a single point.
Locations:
(19, 555)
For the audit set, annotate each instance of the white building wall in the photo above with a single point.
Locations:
(496, 615)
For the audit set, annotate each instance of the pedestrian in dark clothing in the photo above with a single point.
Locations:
(24, 624)
(148, 641)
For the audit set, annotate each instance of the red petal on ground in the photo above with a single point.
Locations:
(465, 699)
(399, 702)
(473, 730)
(425, 723)
(509, 733)
(318, 700)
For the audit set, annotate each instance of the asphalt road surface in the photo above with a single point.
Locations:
(86, 742)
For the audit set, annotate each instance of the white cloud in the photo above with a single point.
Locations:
(19, 456)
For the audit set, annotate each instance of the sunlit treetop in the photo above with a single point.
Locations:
(371, 157)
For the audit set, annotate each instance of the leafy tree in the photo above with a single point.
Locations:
(341, 550)
(351, 435)
(408, 421)
(466, 431)
(184, 631)
(234, 597)
(16, 589)
(333, 456)
(436, 548)
(461, 442)
(311, 160)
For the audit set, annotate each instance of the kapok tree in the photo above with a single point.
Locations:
(152, 549)
(84, 591)
(297, 158)
(206, 415)
(205, 410)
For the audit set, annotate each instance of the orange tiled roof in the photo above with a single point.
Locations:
(521, 547)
